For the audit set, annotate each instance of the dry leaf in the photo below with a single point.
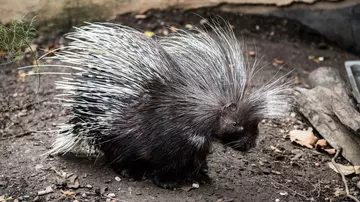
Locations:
(297, 80)
(2, 53)
(173, 29)
(330, 151)
(21, 76)
(321, 143)
(252, 53)
(303, 138)
(346, 170)
(140, 16)
(279, 62)
(275, 149)
(32, 47)
(357, 169)
(68, 193)
(149, 34)
(35, 62)
(165, 31)
(188, 26)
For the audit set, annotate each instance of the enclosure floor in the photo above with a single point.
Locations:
(260, 175)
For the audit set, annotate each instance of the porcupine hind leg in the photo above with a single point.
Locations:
(174, 175)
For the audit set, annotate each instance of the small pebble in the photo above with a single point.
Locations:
(195, 185)
(283, 193)
(358, 184)
(111, 195)
(46, 191)
(88, 186)
(84, 195)
(277, 200)
(118, 179)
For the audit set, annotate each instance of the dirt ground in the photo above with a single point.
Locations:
(294, 174)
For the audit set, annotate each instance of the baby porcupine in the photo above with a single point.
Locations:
(155, 106)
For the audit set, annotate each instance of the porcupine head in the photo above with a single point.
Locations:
(237, 97)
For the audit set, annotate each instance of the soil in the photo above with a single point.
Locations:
(294, 173)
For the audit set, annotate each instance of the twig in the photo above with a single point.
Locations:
(296, 193)
(342, 175)
(25, 106)
(20, 135)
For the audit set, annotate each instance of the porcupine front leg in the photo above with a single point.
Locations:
(176, 174)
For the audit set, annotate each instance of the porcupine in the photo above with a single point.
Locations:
(156, 106)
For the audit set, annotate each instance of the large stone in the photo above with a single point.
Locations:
(341, 26)
(330, 78)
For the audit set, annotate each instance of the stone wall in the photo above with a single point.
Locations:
(107, 9)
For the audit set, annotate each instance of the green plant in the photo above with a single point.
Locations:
(15, 37)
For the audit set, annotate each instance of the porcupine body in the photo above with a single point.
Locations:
(155, 106)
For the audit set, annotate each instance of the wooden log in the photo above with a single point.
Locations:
(333, 117)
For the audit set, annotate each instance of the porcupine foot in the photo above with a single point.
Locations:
(202, 175)
(166, 181)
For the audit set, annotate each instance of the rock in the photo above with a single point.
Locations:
(355, 179)
(297, 156)
(89, 186)
(330, 78)
(111, 195)
(358, 184)
(46, 191)
(118, 179)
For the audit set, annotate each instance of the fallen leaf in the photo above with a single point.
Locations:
(297, 80)
(68, 193)
(357, 169)
(35, 62)
(321, 143)
(346, 170)
(32, 47)
(149, 34)
(173, 29)
(165, 31)
(2, 53)
(46, 191)
(275, 149)
(330, 151)
(279, 62)
(188, 26)
(140, 16)
(303, 138)
(252, 53)
(21, 76)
